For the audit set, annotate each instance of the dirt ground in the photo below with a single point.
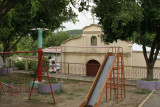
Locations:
(72, 95)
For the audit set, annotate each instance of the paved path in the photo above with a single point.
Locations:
(79, 77)
(86, 78)
(154, 100)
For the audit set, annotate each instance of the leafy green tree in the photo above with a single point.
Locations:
(56, 39)
(77, 32)
(120, 19)
(29, 14)
(7, 5)
(27, 44)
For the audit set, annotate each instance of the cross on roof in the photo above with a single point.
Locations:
(93, 18)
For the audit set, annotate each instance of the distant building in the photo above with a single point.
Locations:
(54, 52)
(73, 51)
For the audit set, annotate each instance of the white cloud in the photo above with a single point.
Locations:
(85, 18)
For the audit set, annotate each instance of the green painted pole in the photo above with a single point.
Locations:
(39, 38)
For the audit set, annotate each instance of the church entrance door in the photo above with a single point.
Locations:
(92, 68)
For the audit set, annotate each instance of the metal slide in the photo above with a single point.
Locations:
(97, 89)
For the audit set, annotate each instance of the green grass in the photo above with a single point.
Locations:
(142, 92)
(21, 79)
(62, 91)
(45, 93)
(5, 80)
(79, 90)
(71, 80)
(154, 79)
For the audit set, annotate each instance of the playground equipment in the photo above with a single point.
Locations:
(11, 88)
(111, 76)
(37, 74)
(2, 87)
(40, 75)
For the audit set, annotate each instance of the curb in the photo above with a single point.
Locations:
(142, 103)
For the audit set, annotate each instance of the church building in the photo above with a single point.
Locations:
(88, 49)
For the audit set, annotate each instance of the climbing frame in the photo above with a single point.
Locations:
(116, 83)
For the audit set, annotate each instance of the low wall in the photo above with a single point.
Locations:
(4, 71)
(45, 88)
(149, 85)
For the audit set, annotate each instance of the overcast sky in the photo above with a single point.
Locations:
(85, 19)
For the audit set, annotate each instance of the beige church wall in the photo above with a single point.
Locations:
(88, 39)
(73, 43)
(97, 57)
(91, 28)
(73, 58)
(100, 58)
(125, 45)
(138, 59)
(95, 30)
(127, 60)
(85, 41)
(76, 63)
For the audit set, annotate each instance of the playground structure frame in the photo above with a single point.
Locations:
(36, 74)
(116, 73)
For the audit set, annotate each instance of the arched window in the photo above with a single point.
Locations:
(93, 41)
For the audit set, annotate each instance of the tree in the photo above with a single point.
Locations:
(120, 19)
(26, 44)
(29, 14)
(77, 32)
(56, 39)
(7, 5)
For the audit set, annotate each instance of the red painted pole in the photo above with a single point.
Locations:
(40, 64)
(48, 78)
(40, 55)
(2, 87)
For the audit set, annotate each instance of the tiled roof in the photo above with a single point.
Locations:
(52, 49)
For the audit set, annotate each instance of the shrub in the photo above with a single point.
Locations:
(20, 64)
(32, 66)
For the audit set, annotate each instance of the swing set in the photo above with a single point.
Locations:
(38, 73)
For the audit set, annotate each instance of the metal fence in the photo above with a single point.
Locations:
(131, 72)
(137, 72)
(74, 68)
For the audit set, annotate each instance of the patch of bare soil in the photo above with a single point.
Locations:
(73, 94)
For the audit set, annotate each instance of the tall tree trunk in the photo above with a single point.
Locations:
(4, 58)
(150, 72)
(7, 46)
(151, 59)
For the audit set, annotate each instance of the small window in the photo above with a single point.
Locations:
(93, 41)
